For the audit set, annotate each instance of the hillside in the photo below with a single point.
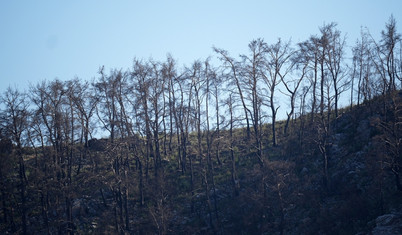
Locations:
(336, 177)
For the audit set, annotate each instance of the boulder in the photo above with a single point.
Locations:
(388, 224)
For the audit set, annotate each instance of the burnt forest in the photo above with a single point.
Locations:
(289, 138)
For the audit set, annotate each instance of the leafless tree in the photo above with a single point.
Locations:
(299, 66)
(363, 68)
(334, 60)
(278, 66)
(106, 91)
(15, 121)
(389, 43)
(231, 109)
(252, 71)
(233, 72)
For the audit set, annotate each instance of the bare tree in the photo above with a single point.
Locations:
(169, 73)
(311, 50)
(334, 60)
(252, 71)
(234, 178)
(389, 41)
(216, 83)
(278, 66)
(140, 76)
(15, 121)
(6, 169)
(300, 62)
(392, 139)
(363, 68)
(156, 99)
(234, 70)
(106, 90)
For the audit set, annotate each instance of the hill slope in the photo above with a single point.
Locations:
(331, 177)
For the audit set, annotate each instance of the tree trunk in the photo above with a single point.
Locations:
(273, 111)
(235, 182)
(22, 193)
(313, 105)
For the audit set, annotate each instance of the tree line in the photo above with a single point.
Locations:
(158, 112)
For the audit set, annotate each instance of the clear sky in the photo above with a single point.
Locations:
(66, 39)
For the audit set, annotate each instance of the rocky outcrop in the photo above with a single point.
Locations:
(388, 224)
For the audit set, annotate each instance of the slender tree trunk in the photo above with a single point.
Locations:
(322, 82)
(290, 114)
(208, 198)
(217, 127)
(44, 212)
(336, 100)
(192, 184)
(273, 125)
(141, 183)
(22, 192)
(313, 105)
(149, 147)
(116, 221)
(211, 163)
(235, 181)
(125, 202)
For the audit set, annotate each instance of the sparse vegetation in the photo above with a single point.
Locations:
(199, 150)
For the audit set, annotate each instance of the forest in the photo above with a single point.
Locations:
(200, 149)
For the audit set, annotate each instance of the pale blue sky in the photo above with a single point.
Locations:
(64, 39)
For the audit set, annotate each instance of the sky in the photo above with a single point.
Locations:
(43, 40)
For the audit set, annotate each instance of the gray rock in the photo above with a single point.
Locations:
(387, 219)
(388, 224)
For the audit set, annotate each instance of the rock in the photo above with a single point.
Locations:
(304, 171)
(386, 220)
(185, 220)
(388, 224)
(77, 208)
